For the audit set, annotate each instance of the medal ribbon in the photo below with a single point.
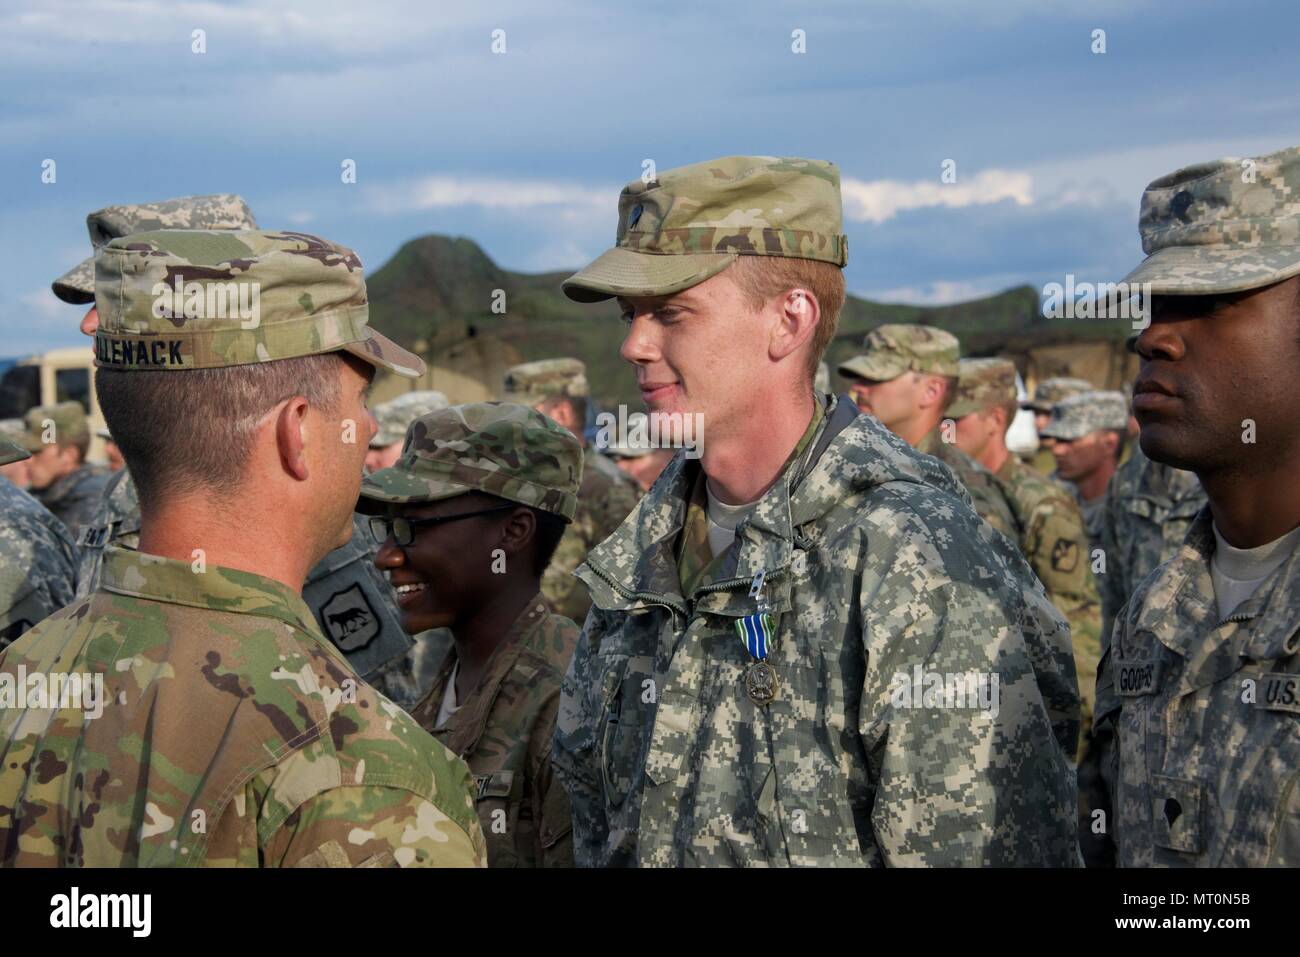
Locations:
(756, 633)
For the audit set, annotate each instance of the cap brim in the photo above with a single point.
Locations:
(1066, 435)
(960, 409)
(1202, 270)
(11, 452)
(876, 368)
(623, 272)
(397, 486)
(383, 353)
(77, 285)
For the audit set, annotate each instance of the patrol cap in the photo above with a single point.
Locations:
(67, 419)
(11, 452)
(208, 298)
(896, 348)
(1077, 415)
(983, 384)
(693, 221)
(1052, 391)
(395, 415)
(1223, 226)
(531, 382)
(506, 450)
(220, 211)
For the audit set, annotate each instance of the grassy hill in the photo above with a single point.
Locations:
(436, 296)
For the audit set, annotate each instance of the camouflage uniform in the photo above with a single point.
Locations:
(72, 498)
(895, 349)
(231, 732)
(38, 564)
(1149, 507)
(1074, 417)
(1204, 709)
(352, 601)
(504, 727)
(872, 564)
(607, 495)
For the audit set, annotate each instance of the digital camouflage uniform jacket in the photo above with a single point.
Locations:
(985, 493)
(352, 600)
(38, 562)
(1206, 716)
(605, 498)
(1055, 543)
(875, 566)
(1149, 506)
(74, 498)
(504, 730)
(231, 733)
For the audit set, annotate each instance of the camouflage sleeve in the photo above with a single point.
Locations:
(573, 758)
(555, 816)
(373, 826)
(1112, 582)
(984, 781)
(38, 572)
(1107, 710)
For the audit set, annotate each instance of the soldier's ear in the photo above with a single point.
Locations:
(290, 429)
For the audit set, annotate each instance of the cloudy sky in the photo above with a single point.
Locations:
(525, 150)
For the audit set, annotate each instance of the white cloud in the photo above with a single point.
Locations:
(510, 195)
(942, 292)
(877, 201)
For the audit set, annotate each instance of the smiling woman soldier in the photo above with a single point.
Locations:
(469, 517)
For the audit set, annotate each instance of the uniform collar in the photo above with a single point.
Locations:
(152, 577)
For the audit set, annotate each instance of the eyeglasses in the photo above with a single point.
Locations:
(403, 529)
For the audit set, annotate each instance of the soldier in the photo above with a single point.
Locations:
(12, 432)
(353, 603)
(1201, 677)
(1054, 542)
(224, 729)
(59, 477)
(38, 562)
(470, 516)
(746, 690)
(1149, 506)
(635, 454)
(558, 388)
(1087, 432)
(394, 417)
(1048, 393)
(907, 379)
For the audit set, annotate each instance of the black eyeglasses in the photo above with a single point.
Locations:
(403, 529)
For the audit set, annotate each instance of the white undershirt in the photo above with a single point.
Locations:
(1238, 572)
(723, 519)
(449, 705)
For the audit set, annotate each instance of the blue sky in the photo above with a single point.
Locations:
(525, 151)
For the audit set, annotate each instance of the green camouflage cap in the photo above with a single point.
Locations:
(1077, 415)
(1052, 391)
(208, 298)
(897, 348)
(983, 384)
(222, 211)
(62, 422)
(692, 222)
(11, 452)
(396, 415)
(1223, 226)
(531, 382)
(506, 450)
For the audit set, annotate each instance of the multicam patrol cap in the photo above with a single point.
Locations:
(983, 384)
(1077, 415)
(1052, 391)
(1223, 226)
(506, 450)
(897, 348)
(222, 211)
(395, 415)
(531, 382)
(692, 222)
(207, 298)
(61, 422)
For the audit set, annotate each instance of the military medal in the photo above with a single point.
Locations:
(757, 634)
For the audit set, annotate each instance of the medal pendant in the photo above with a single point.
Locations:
(760, 682)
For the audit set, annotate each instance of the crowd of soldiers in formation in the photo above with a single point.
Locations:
(531, 651)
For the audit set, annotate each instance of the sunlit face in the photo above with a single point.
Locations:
(895, 402)
(974, 432)
(50, 464)
(1081, 457)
